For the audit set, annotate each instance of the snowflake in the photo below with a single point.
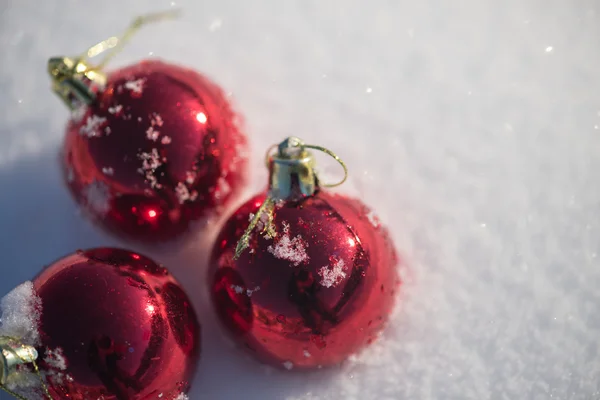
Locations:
(55, 359)
(249, 292)
(290, 249)
(116, 109)
(92, 126)
(156, 120)
(183, 194)
(136, 87)
(152, 134)
(332, 276)
(190, 177)
(97, 196)
(237, 289)
(150, 162)
(108, 171)
(262, 222)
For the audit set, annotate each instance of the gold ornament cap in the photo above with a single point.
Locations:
(292, 171)
(292, 174)
(12, 355)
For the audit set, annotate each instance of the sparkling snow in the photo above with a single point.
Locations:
(20, 312)
(98, 197)
(470, 120)
(56, 359)
(92, 127)
(288, 248)
(136, 87)
(150, 162)
(332, 275)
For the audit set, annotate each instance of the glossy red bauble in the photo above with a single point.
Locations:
(158, 149)
(314, 294)
(114, 325)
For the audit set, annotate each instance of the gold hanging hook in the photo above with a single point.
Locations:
(266, 208)
(336, 158)
(116, 44)
(71, 76)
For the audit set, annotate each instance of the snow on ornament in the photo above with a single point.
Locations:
(327, 274)
(140, 132)
(99, 324)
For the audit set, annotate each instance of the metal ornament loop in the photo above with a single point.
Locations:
(336, 158)
(302, 146)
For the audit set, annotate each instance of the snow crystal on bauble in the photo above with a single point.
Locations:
(290, 249)
(332, 276)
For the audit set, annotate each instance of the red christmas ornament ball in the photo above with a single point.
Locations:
(115, 325)
(317, 292)
(158, 149)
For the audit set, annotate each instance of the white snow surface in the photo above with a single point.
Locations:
(20, 311)
(471, 128)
